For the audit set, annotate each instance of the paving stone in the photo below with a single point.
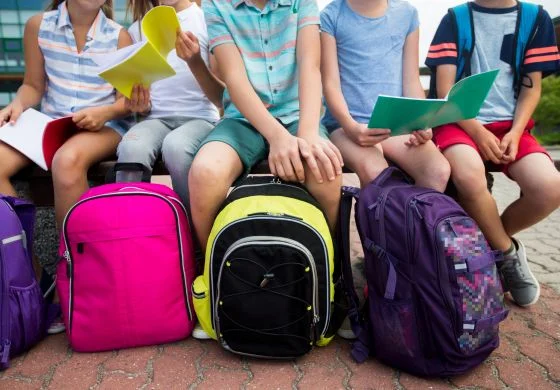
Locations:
(271, 375)
(131, 360)
(505, 350)
(322, 377)
(549, 324)
(411, 382)
(482, 376)
(522, 375)
(18, 384)
(175, 367)
(544, 351)
(79, 372)
(216, 356)
(223, 379)
(122, 382)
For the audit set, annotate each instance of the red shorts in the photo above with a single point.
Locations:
(452, 134)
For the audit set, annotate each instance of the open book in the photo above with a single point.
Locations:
(144, 62)
(402, 115)
(38, 136)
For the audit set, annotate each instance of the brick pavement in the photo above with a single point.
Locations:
(528, 357)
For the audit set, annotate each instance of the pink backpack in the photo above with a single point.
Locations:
(128, 263)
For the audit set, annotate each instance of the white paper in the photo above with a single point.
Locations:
(26, 135)
(108, 60)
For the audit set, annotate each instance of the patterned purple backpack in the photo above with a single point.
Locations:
(22, 308)
(435, 299)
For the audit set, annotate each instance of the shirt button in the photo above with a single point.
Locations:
(274, 91)
(266, 41)
(270, 67)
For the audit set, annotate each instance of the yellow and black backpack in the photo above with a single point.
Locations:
(267, 288)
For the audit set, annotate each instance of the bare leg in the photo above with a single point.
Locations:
(366, 162)
(327, 194)
(427, 166)
(71, 163)
(468, 175)
(540, 183)
(11, 162)
(214, 169)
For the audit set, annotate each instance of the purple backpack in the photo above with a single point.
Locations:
(434, 295)
(22, 308)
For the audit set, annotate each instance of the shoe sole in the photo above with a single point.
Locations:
(537, 296)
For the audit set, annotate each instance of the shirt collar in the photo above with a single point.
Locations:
(273, 3)
(64, 20)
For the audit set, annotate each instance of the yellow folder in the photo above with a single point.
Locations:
(144, 62)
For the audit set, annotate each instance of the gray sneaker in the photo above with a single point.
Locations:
(518, 279)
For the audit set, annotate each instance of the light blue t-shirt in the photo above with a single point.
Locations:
(370, 54)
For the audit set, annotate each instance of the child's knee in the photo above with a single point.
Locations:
(67, 167)
(438, 176)
(547, 194)
(176, 151)
(132, 149)
(469, 180)
(368, 169)
(206, 173)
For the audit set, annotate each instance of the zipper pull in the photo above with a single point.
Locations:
(448, 222)
(66, 255)
(267, 278)
(378, 209)
(413, 203)
(5, 352)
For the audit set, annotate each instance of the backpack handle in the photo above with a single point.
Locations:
(389, 174)
(131, 172)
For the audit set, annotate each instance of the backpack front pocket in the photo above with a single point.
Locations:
(27, 312)
(201, 302)
(266, 302)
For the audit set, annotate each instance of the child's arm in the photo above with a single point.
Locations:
(358, 132)
(33, 87)
(488, 143)
(308, 52)
(188, 49)
(95, 118)
(284, 157)
(412, 87)
(526, 104)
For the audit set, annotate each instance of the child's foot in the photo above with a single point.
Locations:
(57, 326)
(517, 277)
(345, 330)
(199, 333)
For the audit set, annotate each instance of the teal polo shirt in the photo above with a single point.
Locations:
(266, 40)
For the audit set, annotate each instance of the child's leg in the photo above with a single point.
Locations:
(539, 181)
(142, 143)
(366, 162)
(178, 150)
(11, 162)
(214, 169)
(427, 166)
(468, 175)
(72, 161)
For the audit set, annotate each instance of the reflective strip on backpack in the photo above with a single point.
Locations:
(19, 237)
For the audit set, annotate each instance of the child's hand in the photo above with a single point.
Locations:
(187, 46)
(284, 158)
(139, 100)
(91, 119)
(509, 146)
(419, 137)
(366, 137)
(317, 152)
(489, 146)
(10, 113)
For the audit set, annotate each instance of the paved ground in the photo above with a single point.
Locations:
(528, 357)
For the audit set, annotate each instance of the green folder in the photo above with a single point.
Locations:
(403, 115)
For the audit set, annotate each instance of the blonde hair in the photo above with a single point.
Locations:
(107, 7)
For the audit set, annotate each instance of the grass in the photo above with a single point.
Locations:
(552, 138)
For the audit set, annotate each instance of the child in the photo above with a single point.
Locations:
(370, 47)
(501, 132)
(268, 55)
(179, 111)
(61, 75)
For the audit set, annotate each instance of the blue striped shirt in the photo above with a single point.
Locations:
(72, 81)
(267, 41)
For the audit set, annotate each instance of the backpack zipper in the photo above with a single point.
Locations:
(282, 218)
(271, 240)
(68, 252)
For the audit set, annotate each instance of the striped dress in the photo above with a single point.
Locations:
(72, 81)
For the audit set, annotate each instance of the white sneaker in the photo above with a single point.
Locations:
(345, 330)
(57, 326)
(199, 333)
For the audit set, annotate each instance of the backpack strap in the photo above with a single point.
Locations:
(528, 16)
(461, 16)
(25, 210)
(360, 349)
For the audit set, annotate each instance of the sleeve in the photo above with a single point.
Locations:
(542, 52)
(135, 33)
(443, 49)
(218, 32)
(328, 19)
(308, 13)
(414, 21)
